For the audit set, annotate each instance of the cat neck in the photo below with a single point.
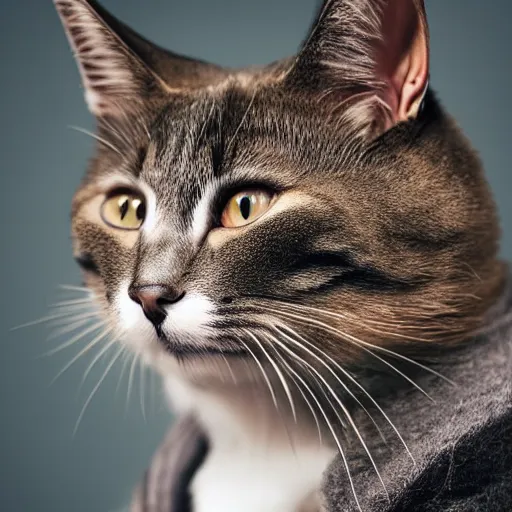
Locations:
(260, 457)
(246, 414)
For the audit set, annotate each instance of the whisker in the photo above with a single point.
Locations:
(97, 357)
(74, 316)
(88, 347)
(144, 126)
(340, 404)
(354, 321)
(278, 373)
(101, 140)
(152, 400)
(326, 396)
(72, 302)
(363, 345)
(352, 379)
(142, 390)
(308, 403)
(120, 135)
(77, 309)
(68, 328)
(95, 389)
(323, 363)
(130, 381)
(396, 323)
(44, 319)
(246, 113)
(206, 121)
(230, 370)
(74, 288)
(360, 344)
(404, 358)
(333, 433)
(126, 358)
(75, 338)
(263, 372)
(406, 377)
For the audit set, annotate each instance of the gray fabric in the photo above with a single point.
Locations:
(165, 484)
(462, 443)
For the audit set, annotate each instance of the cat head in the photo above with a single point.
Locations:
(323, 204)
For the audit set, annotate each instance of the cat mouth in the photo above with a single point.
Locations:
(184, 349)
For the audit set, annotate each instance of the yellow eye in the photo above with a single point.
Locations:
(245, 207)
(125, 210)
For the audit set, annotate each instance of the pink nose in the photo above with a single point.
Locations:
(153, 299)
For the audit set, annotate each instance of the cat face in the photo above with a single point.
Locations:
(309, 207)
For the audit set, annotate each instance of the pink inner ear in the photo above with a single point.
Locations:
(403, 56)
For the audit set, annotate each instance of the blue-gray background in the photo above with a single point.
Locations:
(43, 466)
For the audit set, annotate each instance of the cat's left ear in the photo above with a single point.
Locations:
(372, 55)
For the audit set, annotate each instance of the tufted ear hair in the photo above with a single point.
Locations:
(370, 56)
(120, 69)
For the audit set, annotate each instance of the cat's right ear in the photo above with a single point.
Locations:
(370, 57)
(121, 71)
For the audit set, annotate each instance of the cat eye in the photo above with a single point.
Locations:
(245, 207)
(124, 210)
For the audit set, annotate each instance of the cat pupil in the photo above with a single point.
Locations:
(141, 211)
(245, 207)
(123, 208)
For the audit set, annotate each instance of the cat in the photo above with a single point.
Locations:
(266, 238)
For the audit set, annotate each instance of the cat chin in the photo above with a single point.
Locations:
(222, 376)
(170, 353)
(200, 363)
(214, 371)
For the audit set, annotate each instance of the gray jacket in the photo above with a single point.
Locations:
(462, 443)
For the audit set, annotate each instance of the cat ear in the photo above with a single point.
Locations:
(120, 69)
(370, 55)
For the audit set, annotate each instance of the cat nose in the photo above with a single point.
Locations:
(153, 299)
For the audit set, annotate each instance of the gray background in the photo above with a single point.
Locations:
(43, 466)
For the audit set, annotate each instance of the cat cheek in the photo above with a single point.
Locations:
(190, 316)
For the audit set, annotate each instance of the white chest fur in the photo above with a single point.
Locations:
(258, 479)
(256, 463)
